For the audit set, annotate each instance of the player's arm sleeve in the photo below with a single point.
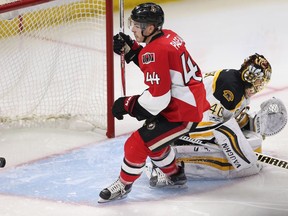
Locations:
(154, 105)
(229, 97)
(147, 106)
(132, 55)
(140, 113)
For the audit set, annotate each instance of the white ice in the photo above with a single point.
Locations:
(60, 172)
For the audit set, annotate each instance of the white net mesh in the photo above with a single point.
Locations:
(53, 65)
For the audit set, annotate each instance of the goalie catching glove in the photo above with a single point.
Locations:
(129, 105)
(124, 43)
(271, 119)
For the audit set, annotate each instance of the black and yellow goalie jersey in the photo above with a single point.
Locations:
(225, 92)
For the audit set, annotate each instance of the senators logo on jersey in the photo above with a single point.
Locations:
(148, 57)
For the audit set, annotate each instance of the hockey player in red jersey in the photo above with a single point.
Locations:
(171, 106)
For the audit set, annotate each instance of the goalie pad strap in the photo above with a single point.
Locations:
(243, 118)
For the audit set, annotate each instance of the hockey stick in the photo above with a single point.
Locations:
(272, 160)
(260, 157)
(122, 59)
(2, 162)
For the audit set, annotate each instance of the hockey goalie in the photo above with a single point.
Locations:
(225, 143)
(231, 152)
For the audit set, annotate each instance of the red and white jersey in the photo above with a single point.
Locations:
(175, 82)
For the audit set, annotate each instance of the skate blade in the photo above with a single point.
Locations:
(169, 186)
(100, 200)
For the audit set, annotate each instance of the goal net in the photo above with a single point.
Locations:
(56, 64)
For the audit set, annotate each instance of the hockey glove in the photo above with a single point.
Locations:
(271, 119)
(129, 105)
(131, 49)
(118, 44)
(123, 106)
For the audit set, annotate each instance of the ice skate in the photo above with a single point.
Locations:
(115, 191)
(159, 179)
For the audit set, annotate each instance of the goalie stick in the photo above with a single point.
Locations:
(272, 160)
(2, 162)
(260, 157)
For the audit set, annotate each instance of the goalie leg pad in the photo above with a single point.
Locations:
(234, 145)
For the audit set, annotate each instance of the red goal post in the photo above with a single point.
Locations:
(56, 60)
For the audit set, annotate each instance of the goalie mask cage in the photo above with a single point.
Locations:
(56, 62)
